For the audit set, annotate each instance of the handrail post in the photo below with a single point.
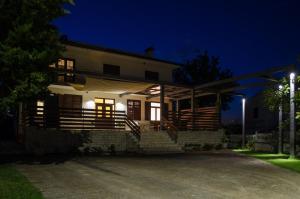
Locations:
(162, 95)
(193, 108)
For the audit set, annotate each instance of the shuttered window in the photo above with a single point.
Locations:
(109, 69)
(150, 75)
(134, 109)
(71, 101)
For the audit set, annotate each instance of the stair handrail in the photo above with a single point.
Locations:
(135, 129)
(171, 129)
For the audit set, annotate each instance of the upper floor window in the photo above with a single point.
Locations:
(64, 64)
(150, 75)
(65, 68)
(109, 69)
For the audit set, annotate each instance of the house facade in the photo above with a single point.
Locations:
(116, 98)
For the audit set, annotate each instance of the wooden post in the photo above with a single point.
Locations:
(219, 108)
(193, 108)
(20, 127)
(162, 95)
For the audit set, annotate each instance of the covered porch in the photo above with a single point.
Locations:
(158, 106)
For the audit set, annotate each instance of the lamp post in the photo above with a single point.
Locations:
(280, 138)
(292, 116)
(243, 122)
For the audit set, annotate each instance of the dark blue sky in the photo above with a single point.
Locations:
(247, 35)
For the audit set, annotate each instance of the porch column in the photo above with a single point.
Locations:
(162, 101)
(193, 108)
(177, 105)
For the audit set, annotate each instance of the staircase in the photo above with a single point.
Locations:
(158, 142)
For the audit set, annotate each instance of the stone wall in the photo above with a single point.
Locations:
(47, 141)
(200, 137)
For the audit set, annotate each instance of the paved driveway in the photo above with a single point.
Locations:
(221, 174)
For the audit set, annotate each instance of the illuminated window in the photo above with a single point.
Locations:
(61, 64)
(64, 64)
(155, 111)
(52, 65)
(70, 65)
(99, 100)
(40, 107)
(109, 101)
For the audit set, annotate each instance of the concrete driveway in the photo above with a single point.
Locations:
(221, 174)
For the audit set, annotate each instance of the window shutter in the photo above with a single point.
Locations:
(147, 110)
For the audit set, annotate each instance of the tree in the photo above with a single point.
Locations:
(203, 69)
(274, 96)
(29, 43)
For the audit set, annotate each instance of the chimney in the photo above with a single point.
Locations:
(149, 52)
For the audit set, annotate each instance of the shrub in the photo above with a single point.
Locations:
(207, 147)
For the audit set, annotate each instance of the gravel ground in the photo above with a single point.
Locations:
(217, 174)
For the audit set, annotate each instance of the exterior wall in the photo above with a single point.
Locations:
(200, 137)
(49, 141)
(92, 61)
(88, 98)
(266, 119)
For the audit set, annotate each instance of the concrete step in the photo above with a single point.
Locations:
(158, 143)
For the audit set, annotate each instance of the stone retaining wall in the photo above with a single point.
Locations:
(200, 137)
(47, 141)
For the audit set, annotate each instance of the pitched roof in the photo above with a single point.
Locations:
(116, 51)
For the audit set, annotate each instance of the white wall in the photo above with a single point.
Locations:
(93, 60)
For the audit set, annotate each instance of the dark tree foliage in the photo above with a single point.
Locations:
(29, 42)
(203, 69)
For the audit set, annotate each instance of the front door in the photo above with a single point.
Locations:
(104, 116)
(104, 111)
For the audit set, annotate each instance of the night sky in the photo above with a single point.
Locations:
(247, 35)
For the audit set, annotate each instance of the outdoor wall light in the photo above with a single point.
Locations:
(280, 87)
(90, 104)
(120, 106)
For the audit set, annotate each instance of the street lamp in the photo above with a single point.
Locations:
(243, 122)
(292, 116)
(280, 139)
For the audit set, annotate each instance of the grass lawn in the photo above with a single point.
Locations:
(13, 185)
(281, 160)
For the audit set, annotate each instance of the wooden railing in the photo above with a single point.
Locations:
(206, 118)
(74, 118)
(171, 129)
(135, 129)
(78, 119)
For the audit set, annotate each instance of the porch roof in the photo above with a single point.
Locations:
(151, 89)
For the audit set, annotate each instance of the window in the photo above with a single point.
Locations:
(40, 107)
(155, 111)
(134, 109)
(111, 70)
(70, 101)
(255, 113)
(66, 68)
(150, 75)
(104, 107)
